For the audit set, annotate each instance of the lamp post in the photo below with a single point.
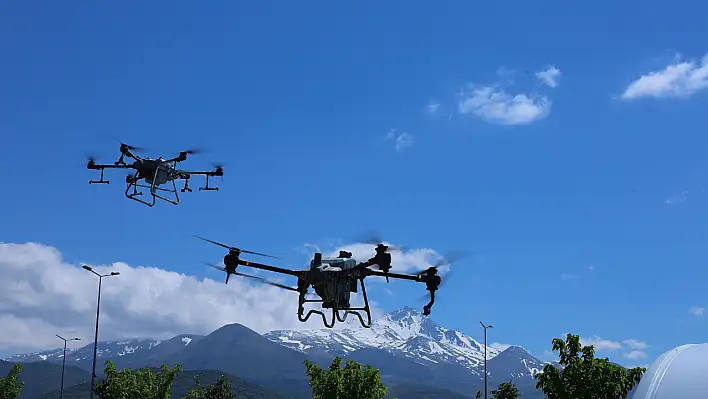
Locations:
(98, 309)
(485, 356)
(63, 363)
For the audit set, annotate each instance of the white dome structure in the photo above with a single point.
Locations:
(680, 373)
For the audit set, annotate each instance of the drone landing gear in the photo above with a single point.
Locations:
(133, 182)
(100, 181)
(206, 186)
(335, 310)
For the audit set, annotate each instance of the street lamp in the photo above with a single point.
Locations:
(98, 309)
(63, 362)
(485, 356)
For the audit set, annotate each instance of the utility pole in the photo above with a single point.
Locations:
(95, 337)
(485, 356)
(63, 363)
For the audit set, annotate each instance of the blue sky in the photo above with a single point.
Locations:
(298, 99)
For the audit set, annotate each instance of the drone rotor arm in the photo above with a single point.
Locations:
(296, 273)
(393, 275)
(98, 166)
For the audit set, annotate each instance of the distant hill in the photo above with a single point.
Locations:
(41, 377)
(181, 386)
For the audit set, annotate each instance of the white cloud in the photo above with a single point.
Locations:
(549, 76)
(678, 80)
(600, 344)
(41, 295)
(634, 355)
(495, 105)
(499, 346)
(677, 198)
(632, 348)
(433, 108)
(401, 140)
(634, 344)
(697, 311)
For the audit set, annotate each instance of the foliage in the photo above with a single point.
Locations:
(351, 382)
(583, 376)
(506, 390)
(129, 384)
(478, 395)
(220, 389)
(11, 386)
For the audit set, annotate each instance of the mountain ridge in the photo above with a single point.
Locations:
(408, 347)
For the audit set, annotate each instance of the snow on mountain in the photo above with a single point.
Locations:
(106, 349)
(405, 331)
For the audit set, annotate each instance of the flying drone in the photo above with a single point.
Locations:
(152, 173)
(333, 280)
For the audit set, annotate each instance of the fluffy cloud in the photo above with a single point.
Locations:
(600, 344)
(678, 80)
(633, 349)
(42, 295)
(496, 105)
(401, 140)
(697, 311)
(549, 76)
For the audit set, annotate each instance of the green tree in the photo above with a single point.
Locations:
(479, 394)
(506, 390)
(130, 384)
(220, 389)
(11, 386)
(583, 376)
(351, 382)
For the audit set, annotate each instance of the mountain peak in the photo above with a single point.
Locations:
(403, 313)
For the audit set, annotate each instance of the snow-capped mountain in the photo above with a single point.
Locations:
(404, 332)
(406, 346)
(109, 349)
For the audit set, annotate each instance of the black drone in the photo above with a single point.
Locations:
(333, 279)
(154, 172)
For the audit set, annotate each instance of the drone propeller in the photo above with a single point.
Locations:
(236, 249)
(373, 237)
(131, 147)
(446, 260)
(260, 279)
(194, 151)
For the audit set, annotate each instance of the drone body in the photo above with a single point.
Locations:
(153, 173)
(333, 280)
